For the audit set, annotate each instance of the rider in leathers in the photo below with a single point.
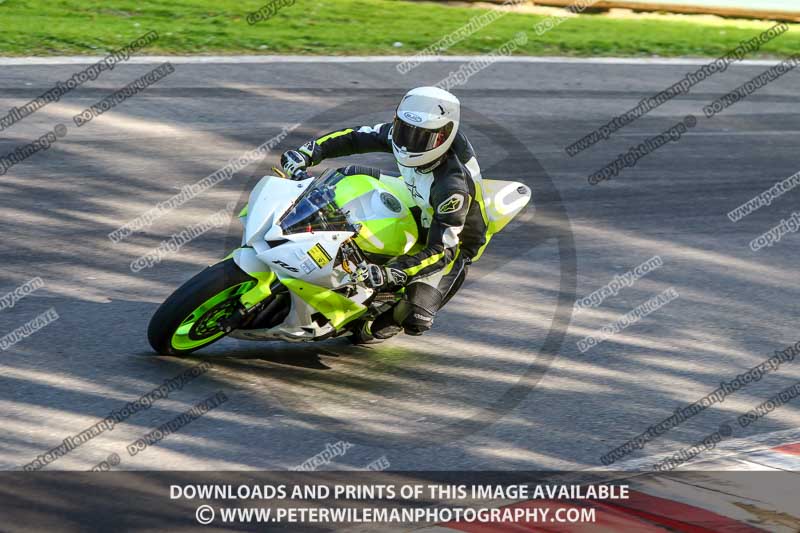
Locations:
(439, 168)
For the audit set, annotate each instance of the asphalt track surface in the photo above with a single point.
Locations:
(499, 383)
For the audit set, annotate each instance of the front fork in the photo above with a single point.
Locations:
(337, 308)
(254, 300)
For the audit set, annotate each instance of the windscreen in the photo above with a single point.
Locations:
(315, 209)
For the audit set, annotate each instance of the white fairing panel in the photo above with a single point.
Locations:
(270, 198)
(308, 256)
(248, 261)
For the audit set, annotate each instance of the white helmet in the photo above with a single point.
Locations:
(424, 126)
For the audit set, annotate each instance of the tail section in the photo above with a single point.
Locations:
(503, 201)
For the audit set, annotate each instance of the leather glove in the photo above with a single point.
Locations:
(292, 161)
(381, 277)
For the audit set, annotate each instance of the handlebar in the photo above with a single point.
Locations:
(300, 174)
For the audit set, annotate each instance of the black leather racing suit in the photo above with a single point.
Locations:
(449, 213)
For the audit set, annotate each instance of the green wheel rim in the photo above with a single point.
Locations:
(199, 328)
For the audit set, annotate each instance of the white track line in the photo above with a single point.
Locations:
(86, 60)
(723, 449)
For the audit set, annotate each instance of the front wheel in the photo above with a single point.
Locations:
(187, 320)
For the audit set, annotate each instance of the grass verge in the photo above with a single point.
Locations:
(349, 27)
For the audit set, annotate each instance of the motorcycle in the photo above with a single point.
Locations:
(299, 272)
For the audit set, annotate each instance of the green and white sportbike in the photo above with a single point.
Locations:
(299, 272)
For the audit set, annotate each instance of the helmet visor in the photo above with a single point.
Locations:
(416, 139)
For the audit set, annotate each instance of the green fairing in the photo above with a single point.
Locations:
(399, 188)
(351, 187)
(392, 236)
(386, 236)
(261, 291)
(333, 306)
(482, 205)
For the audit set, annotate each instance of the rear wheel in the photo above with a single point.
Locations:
(188, 319)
